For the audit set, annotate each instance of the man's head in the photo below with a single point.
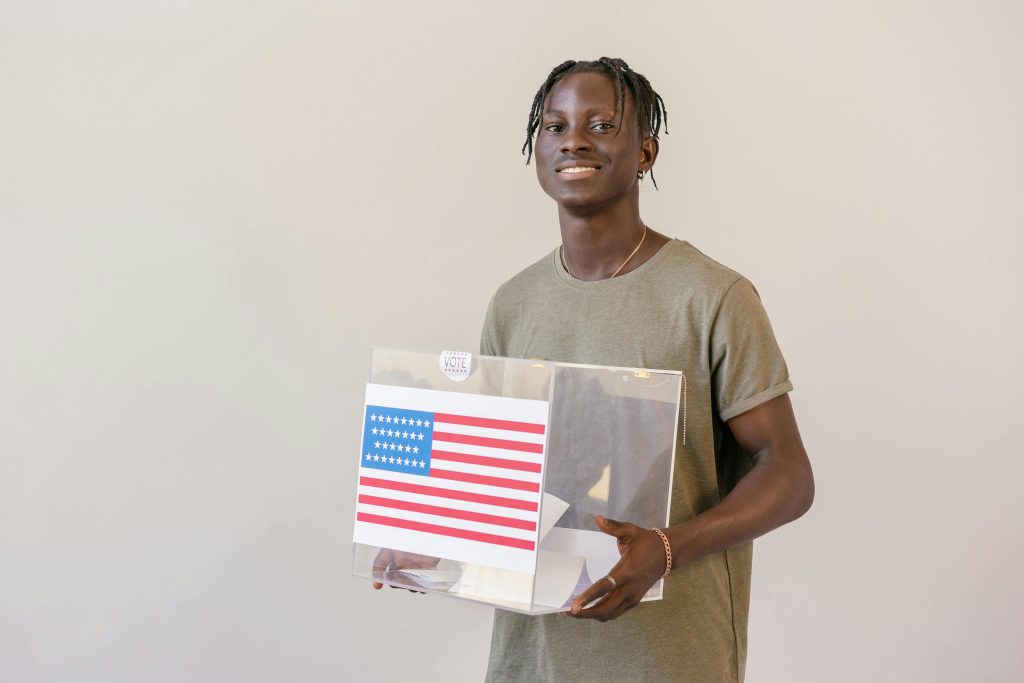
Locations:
(593, 130)
(649, 108)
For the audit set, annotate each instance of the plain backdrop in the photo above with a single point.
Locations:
(209, 212)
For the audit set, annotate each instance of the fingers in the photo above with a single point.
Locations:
(620, 530)
(612, 600)
(599, 589)
(609, 526)
(380, 565)
(611, 603)
(387, 559)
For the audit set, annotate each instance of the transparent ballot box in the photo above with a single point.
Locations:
(480, 477)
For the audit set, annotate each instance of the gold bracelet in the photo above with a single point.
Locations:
(668, 551)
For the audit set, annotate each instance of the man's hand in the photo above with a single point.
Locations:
(395, 559)
(641, 564)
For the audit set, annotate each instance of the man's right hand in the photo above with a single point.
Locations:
(388, 559)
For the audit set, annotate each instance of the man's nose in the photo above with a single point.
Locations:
(575, 139)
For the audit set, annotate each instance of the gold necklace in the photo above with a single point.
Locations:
(561, 254)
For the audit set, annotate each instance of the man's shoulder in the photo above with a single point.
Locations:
(526, 282)
(688, 265)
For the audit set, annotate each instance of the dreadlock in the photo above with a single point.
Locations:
(648, 105)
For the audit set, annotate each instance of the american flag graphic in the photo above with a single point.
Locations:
(452, 475)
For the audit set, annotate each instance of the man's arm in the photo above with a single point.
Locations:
(779, 489)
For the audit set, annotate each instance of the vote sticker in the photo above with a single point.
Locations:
(456, 364)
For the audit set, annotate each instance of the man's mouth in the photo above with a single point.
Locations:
(578, 169)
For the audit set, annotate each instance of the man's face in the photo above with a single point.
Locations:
(581, 161)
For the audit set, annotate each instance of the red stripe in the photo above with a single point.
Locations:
(445, 531)
(490, 462)
(481, 479)
(449, 512)
(488, 422)
(492, 443)
(448, 493)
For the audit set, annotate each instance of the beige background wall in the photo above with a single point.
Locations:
(210, 211)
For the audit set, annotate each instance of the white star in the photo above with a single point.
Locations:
(405, 435)
(419, 423)
(420, 437)
(404, 421)
(368, 456)
(374, 430)
(394, 447)
(415, 449)
(391, 460)
(422, 463)
(426, 424)
(376, 444)
(408, 449)
(406, 462)
(388, 418)
(376, 458)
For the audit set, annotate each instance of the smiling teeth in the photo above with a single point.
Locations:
(577, 169)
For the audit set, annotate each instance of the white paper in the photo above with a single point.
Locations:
(432, 578)
(551, 511)
(494, 585)
(557, 576)
(599, 550)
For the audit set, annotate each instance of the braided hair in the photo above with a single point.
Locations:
(648, 105)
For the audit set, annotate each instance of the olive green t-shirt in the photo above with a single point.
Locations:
(683, 311)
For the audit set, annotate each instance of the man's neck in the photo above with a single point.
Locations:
(595, 246)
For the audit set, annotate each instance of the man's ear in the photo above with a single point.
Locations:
(648, 152)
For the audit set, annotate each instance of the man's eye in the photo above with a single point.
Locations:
(602, 126)
(554, 127)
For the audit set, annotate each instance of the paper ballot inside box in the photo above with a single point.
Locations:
(460, 481)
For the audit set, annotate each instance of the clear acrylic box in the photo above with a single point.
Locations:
(485, 487)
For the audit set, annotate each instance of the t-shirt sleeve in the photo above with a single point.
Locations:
(747, 367)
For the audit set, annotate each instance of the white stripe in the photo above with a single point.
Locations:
(489, 432)
(469, 506)
(453, 466)
(473, 449)
(448, 521)
(469, 487)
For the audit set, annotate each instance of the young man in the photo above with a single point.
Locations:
(619, 293)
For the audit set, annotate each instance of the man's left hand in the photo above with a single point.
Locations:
(641, 564)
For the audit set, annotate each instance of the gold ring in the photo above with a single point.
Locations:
(612, 580)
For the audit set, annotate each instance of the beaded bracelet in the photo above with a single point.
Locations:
(668, 551)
